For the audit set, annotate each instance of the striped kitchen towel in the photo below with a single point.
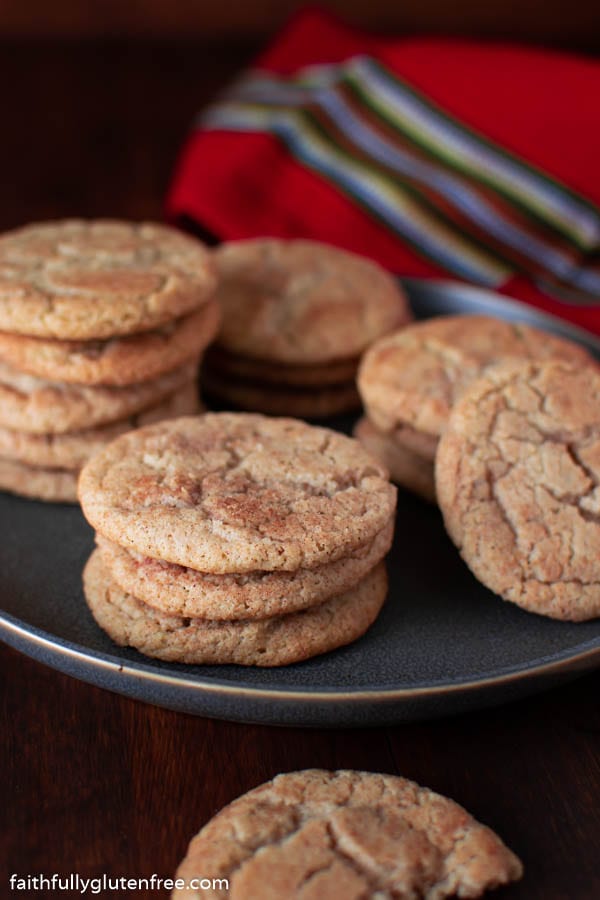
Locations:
(436, 157)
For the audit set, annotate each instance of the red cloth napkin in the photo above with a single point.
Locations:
(436, 157)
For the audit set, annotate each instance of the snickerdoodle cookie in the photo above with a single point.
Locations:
(518, 482)
(407, 468)
(413, 377)
(81, 280)
(345, 835)
(297, 314)
(71, 449)
(275, 641)
(236, 538)
(255, 595)
(230, 492)
(311, 402)
(40, 406)
(115, 361)
(37, 482)
(302, 302)
(286, 375)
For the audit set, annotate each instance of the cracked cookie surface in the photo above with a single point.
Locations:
(302, 302)
(29, 403)
(228, 492)
(414, 376)
(346, 835)
(275, 641)
(77, 279)
(256, 595)
(116, 362)
(518, 482)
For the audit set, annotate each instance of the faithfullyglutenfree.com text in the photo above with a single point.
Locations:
(97, 884)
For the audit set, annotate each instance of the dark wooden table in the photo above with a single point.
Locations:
(97, 783)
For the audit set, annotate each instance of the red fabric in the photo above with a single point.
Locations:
(541, 105)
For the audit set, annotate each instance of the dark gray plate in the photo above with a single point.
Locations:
(443, 643)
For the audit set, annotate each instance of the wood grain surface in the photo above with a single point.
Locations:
(97, 783)
(549, 21)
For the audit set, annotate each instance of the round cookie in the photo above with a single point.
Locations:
(406, 468)
(311, 403)
(256, 595)
(418, 442)
(319, 375)
(303, 302)
(55, 485)
(28, 403)
(518, 482)
(121, 361)
(81, 280)
(228, 492)
(346, 835)
(414, 377)
(72, 449)
(278, 641)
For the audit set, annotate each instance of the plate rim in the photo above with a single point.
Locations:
(48, 648)
(499, 302)
(566, 661)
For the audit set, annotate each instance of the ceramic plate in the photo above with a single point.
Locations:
(443, 643)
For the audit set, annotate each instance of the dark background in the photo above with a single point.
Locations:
(96, 99)
(574, 24)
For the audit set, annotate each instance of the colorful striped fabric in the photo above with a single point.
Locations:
(435, 157)
(464, 203)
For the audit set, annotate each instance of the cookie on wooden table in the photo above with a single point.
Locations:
(274, 641)
(345, 835)
(228, 492)
(518, 482)
(82, 280)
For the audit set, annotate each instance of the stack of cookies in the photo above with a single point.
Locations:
(297, 315)
(236, 538)
(102, 326)
(410, 380)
